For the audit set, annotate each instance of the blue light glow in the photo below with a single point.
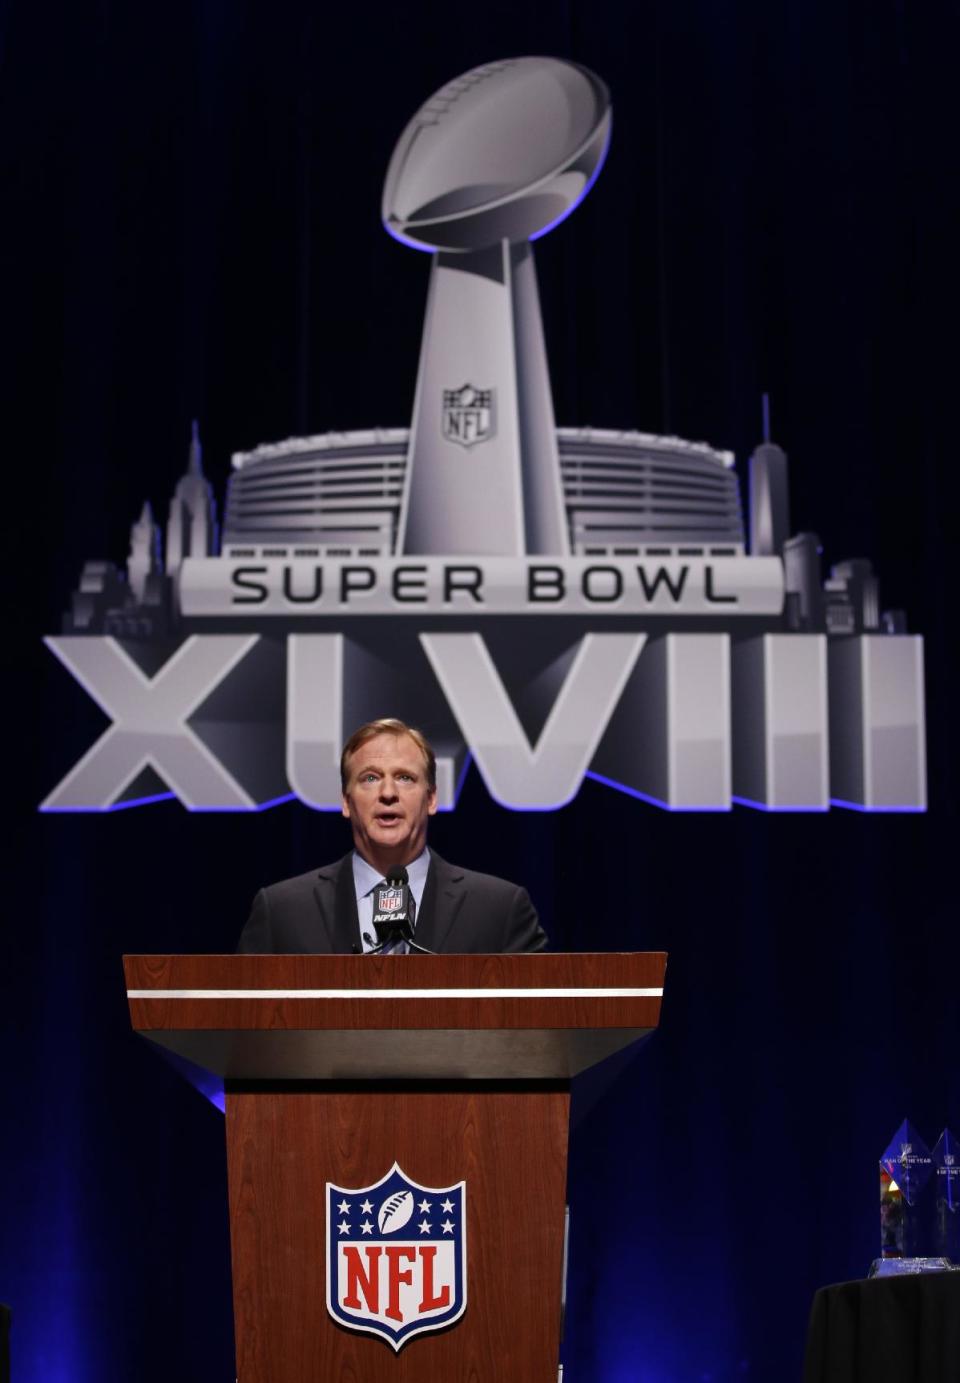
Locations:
(458, 787)
(115, 806)
(515, 807)
(586, 188)
(258, 806)
(141, 801)
(172, 797)
(210, 1087)
(647, 797)
(412, 244)
(206, 1083)
(555, 806)
(408, 240)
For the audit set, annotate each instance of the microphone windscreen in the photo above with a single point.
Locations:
(392, 909)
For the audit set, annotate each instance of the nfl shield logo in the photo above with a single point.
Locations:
(396, 1256)
(467, 415)
(389, 899)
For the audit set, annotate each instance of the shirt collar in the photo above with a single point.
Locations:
(366, 878)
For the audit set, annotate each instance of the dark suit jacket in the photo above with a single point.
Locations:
(461, 911)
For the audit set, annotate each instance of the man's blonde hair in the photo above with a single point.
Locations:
(388, 726)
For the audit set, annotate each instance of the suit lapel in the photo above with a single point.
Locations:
(337, 899)
(442, 897)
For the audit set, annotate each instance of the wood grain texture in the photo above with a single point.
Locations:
(471, 1118)
(386, 973)
(510, 1148)
(551, 968)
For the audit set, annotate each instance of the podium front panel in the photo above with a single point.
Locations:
(508, 1146)
(449, 1071)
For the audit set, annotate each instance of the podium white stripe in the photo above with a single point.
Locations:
(394, 993)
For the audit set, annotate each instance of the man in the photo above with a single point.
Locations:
(388, 778)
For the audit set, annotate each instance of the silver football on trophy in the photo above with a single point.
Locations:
(502, 153)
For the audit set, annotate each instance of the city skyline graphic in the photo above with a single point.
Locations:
(547, 602)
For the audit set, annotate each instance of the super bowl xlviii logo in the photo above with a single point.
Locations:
(396, 1256)
(467, 415)
(584, 603)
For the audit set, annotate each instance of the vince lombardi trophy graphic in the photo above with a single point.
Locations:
(492, 161)
(514, 565)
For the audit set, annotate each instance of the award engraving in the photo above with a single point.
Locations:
(946, 1167)
(919, 1206)
(905, 1172)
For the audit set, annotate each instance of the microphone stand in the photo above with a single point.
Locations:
(388, 941)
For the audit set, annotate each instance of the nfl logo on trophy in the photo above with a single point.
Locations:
(396, 1256)
(467, 415)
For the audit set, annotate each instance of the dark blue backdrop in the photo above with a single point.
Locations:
(190, 227)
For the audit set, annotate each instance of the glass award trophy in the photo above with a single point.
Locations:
(946, 1168)
(910, 1212)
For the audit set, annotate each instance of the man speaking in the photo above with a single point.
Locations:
(388, 778)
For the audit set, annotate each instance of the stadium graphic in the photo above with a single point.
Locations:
(550, 602)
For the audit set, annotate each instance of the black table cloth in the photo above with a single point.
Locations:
(886, 1330)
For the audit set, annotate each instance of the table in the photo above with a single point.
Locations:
(886, 1330)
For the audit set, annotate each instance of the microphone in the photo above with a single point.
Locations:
(395, 913)
(393, 908)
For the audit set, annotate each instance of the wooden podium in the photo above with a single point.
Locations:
(457, 1068)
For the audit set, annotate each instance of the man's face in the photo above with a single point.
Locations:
(388, 800)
